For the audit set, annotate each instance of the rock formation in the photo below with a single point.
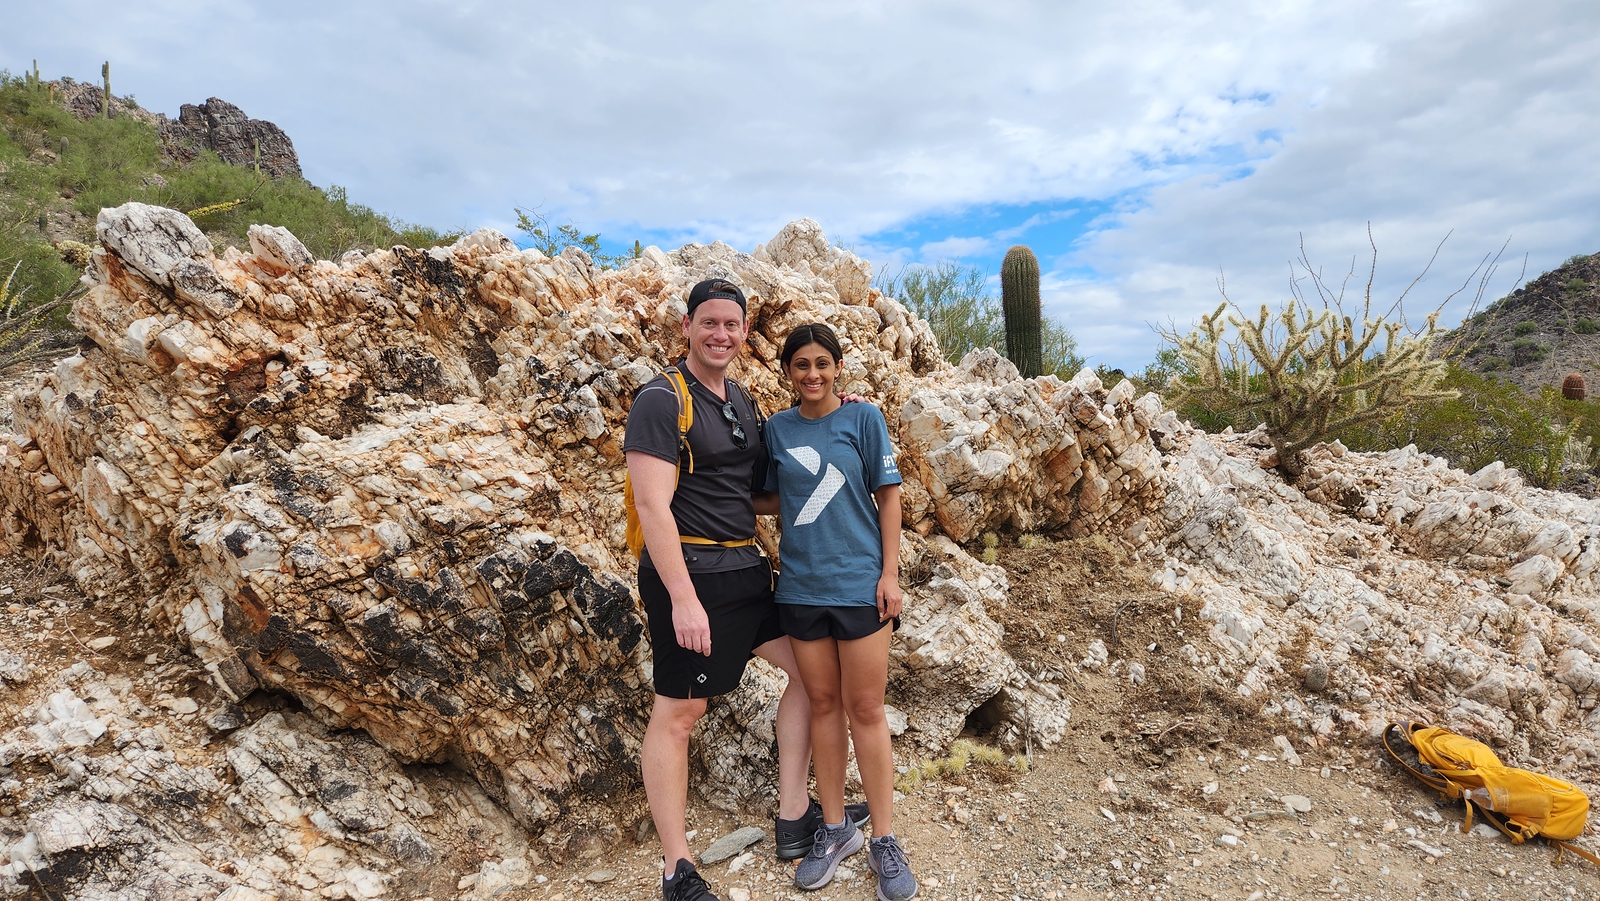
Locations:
(391, 486)
(215, 125)
(220, 126)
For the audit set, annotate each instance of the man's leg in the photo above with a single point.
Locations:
(793, 728)
(664, 758)
(819, 668)
(864, 665)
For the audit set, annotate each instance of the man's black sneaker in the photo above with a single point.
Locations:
(795, 837)
(686, 885)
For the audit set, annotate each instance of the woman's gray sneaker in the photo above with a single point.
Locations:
(828, 848)
(888, 860)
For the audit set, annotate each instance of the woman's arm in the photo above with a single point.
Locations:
(889, 596)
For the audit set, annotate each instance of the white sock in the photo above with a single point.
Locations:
(832, 826)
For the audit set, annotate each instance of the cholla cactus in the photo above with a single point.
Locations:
(1309, 373)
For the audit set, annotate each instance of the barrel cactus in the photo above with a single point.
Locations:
(1573, 386)
(1019, 292)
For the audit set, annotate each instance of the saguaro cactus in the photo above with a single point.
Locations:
(105, 92)
(1019, 292)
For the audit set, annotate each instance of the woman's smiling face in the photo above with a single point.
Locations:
(812, 370)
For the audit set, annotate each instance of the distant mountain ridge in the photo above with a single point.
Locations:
(1539, 333)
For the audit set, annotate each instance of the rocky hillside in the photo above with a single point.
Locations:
(1540, 332)
(370, 510)
(62, 160)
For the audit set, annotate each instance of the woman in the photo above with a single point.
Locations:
(838, 487)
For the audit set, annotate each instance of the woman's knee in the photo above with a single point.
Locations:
(865, 711)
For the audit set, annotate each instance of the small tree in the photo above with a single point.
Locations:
(1312, 370)
(24, 332)
(551, 240)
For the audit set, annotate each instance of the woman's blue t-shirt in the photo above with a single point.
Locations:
(825, 471)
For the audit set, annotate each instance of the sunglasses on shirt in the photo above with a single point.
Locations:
(729, 413)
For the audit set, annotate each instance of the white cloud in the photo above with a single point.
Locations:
(954, 249)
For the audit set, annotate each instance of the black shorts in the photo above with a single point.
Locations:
(742, 615)
(810, 622)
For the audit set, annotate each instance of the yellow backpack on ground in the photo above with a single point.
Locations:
(1519, 803)
(680, 387)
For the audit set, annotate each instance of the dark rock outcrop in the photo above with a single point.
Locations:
(220, 126)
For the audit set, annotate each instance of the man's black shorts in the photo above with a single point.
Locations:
(810, 622)
(743, 617)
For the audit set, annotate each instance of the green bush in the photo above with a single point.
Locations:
(1489, 420)
(1526, 352)
(1585, 326)
(1526, 327)
(965, 316)
(1577, 285)
(1493, 364)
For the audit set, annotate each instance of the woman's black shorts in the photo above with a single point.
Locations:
(809, 622)
(743, 617)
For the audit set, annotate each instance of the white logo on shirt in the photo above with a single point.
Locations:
(832, 481)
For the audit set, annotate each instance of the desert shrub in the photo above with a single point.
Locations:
(1489, 419)
(1525, 327)
(1585, 326)
(1576, 285)
(1526, 352)
(26, 334)
(1578, 258)
(1493, 364)
(965, 315)
(550, 240)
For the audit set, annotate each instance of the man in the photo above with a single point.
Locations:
(706, 587)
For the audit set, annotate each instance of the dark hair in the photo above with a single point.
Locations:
(714, 288)
(811, 333)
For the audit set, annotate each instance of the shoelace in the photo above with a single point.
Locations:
(690, 887)
(819, 846)
(891, 857)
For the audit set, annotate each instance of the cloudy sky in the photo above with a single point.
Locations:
(1141, 148)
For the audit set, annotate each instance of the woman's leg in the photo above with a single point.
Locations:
(793, 729)
(819, 669)
(864, 667)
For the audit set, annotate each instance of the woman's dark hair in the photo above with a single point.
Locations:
(811, 333)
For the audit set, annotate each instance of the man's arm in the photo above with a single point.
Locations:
(654, 481)
(765, 502)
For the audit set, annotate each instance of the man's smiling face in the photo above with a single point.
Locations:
(716, 333)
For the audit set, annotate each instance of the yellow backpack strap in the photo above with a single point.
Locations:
(680, 387)
(1562, 847)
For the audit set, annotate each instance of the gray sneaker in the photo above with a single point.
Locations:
(888, 860)
(828, 848)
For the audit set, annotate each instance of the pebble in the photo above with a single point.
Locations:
(101, 643)
(1108, 786)
(599, 876)
(1297, 803)
(1286, 749)
(1108, 815)
(1226, 841)
(1209, 789)
(738, 894)
(731, 844)
(1426, 848)
(1327, 773)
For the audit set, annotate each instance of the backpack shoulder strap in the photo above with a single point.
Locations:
(1396, 734)
(680, 387)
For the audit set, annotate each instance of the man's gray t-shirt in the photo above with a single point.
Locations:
(713, 501)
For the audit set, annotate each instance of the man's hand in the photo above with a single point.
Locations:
(691, 625)
(889, 597)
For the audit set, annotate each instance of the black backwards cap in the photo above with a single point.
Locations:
(715, 289)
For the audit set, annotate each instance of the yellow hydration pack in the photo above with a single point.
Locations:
(635, 531)
(1519, 803)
